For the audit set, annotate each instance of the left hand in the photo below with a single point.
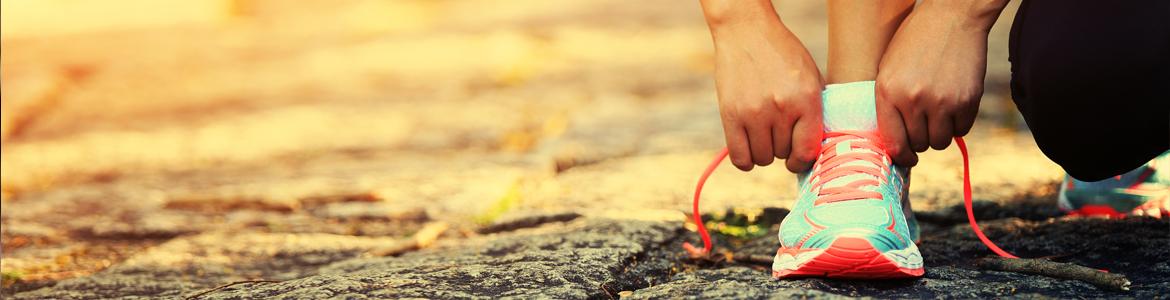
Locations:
(930, 81)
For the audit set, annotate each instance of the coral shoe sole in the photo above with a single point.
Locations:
(848, 258)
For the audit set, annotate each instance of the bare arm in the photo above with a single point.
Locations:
(930, 79)
(767, 83)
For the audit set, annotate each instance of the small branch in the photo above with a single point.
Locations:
(395, 249)
(527, 222)
(423, 238)
(429, 233)
(698, 255)
(1053, 269)
(229, 285)
(753, 259)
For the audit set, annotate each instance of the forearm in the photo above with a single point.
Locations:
(931, 77)
(974, 15)
(728, 16)
(768, 86)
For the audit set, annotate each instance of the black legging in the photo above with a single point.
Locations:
(1092, 79)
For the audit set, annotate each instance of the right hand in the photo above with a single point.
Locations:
(769, 96)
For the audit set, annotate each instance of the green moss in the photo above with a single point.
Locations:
(510, 200)
(743, 224)
(11, 277)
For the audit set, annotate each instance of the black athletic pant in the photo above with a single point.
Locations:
(1092, 79)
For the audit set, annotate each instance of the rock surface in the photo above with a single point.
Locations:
(558, 141)
(189, 264)
(577, 261)
(600, 258)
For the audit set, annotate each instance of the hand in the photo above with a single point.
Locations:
(769, 95)
(930, 80)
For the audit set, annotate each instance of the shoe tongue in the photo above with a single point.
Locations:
(849, 106)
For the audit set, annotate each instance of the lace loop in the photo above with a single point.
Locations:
(832, 167)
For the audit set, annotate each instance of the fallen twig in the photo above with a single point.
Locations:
(697, 254)
(762, 260)
(527, 222)
(423, 238)
(228, 285)
(1053, 269)
(694, 252)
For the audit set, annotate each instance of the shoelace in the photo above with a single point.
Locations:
(833, 167)
(853, 192)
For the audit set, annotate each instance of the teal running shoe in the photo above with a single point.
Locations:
(1144, 191)
(852, 217)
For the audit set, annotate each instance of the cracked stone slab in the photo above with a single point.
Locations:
(939, 282)
(578, 260)
(1135, 247)
(189, 264)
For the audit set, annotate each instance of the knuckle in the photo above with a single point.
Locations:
(741, 164)
(781, 104)
(893, 147)
(940, 95)
(804, 156)
(794, 99)
(941, 143)
(809, 91)
(797, 165)
(781, 155)
(781, 152)
(896, 150)
(949, 109)
(756, 110)
(963, 129)
(911, 160)
(920, 146)
(915, 93)
(788, 115)
(890, 88)
(904, 157)
(882, 84)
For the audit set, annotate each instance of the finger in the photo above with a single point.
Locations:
(737, 145)
(917, 132)
(782, 138)
(806, 142)
(965, 119)
(760, 141)
(941, 131)
(893, 131)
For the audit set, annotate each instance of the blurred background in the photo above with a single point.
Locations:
(132, 122)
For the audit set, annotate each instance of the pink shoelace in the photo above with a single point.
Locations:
(832, 168)
(830, 171)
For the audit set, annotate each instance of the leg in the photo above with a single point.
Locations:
(1090, 80)
(859, 31)
(847, 222)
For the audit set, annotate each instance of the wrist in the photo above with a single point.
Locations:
(975, 15)
(726, 15)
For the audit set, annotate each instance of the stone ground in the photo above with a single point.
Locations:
(283, 148)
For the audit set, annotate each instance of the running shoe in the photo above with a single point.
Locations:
(1142, 191)
(851, 218)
